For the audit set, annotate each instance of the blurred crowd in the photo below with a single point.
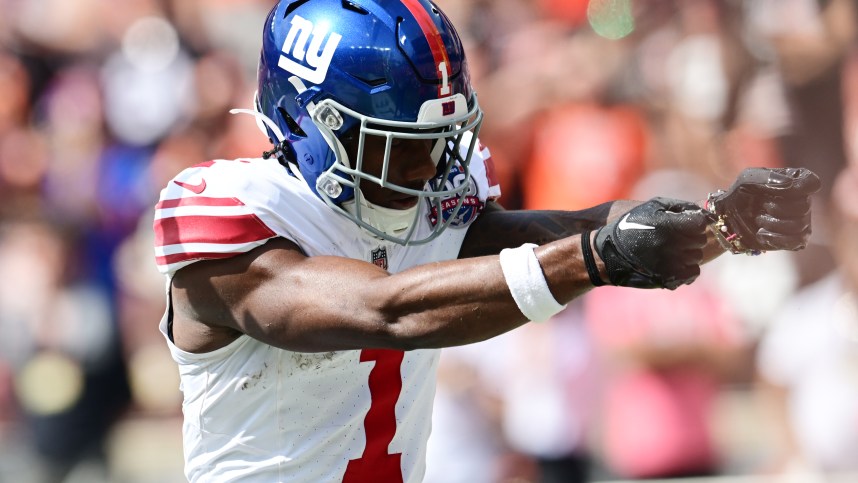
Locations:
(751, 370)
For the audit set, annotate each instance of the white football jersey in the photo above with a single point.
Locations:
(256, 413)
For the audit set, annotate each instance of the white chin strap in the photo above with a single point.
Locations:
(387, 220)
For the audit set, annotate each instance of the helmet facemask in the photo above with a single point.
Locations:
(453, 142)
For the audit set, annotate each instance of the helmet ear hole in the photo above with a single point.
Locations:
(293, 126)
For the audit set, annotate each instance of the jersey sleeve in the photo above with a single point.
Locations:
(208, 212)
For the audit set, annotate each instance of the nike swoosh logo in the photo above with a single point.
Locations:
(627, 225)
(195, 188)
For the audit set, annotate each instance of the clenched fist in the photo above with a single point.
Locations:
(765, 209)
(658, 244)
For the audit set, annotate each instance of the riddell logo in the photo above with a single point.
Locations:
(296, 53)
(448, 108)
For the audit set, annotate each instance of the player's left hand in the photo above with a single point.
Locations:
(765, 209)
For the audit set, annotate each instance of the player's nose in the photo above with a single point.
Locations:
(418, 165)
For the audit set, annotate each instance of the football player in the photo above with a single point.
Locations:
(309, 289)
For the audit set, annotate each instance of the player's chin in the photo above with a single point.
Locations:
(402, 203)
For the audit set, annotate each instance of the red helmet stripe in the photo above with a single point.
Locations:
(433, 36)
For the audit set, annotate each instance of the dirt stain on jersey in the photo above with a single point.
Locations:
(307, 361)
(251, 380)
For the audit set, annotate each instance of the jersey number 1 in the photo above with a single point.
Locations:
(385, 384)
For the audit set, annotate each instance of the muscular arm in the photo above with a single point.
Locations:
(279, 296)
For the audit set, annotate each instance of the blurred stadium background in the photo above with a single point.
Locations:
(748, 376)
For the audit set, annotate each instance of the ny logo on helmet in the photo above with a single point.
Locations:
(316, 57)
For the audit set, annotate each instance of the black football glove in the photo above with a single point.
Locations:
(658, 244)
(765, 209)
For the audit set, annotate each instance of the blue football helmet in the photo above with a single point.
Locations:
(394, 69)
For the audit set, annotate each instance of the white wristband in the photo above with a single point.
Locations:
(527, 283)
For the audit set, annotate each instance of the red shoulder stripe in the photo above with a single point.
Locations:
(184, 257)
(176, 230)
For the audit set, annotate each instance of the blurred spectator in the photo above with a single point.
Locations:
(15, 91)
(71, 116)
(584, 154)
(666, 364)
(549, 396)
(146, 83)
(809, 41)
(69, 373)
(466, 444)
(809, 355)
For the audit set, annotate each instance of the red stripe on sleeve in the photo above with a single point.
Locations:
(491, 174)
(184, 257)
(176, 230)
(198, 201)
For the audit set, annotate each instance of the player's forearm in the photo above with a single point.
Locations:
(434, 305)
(312, 304)
(469, 300)
(497, 229)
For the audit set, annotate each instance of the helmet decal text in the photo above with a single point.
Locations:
(297, 53)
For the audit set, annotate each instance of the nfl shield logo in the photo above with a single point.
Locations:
(379, 257)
